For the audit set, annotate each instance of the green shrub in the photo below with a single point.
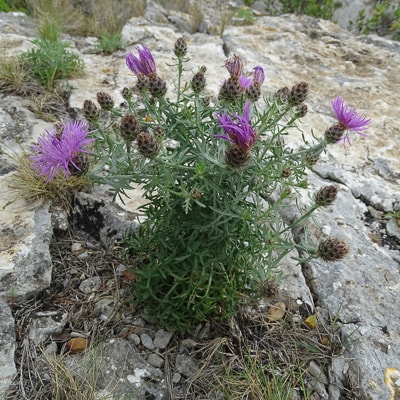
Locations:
(50, 62)
(12, 5)
(215, 176)
(385, 20)
(315, 8)
(108, 43)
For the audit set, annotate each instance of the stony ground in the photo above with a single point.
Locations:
(87, 303)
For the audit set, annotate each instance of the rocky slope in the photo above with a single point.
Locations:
(363, 290)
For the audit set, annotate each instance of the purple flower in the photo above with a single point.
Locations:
(245, 81)
(258, 75)
(142, 65)
(234, 65)
(57, 149)
(349, 119)
(239, 131)
(257, 79)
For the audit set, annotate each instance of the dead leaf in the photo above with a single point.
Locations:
(276, 311)
(128, 275)
(76, 345)
(325, 340)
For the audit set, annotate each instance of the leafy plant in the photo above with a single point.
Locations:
(246, 14)
(215, 175)
(385, 20)
(315, 8)
(12, 5)
(50, 62)
(108, 43)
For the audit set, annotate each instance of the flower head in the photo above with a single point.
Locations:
(239, 131)
(332, 249)
(349, 119)
(57, 150)
(258, 75)
(142, 65)
(234, 65)
(245, 81)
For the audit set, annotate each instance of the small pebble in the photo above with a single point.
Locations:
(147, 341)
(155, 360)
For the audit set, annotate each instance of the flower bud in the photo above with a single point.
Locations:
(126, 93)
(198, 82)
(236, 157)
(332, 249)
(311, 155)
(147, 144)
(158, 131)
(326, 195)
(253, 93)
(286, 172)
(234, 65)
(142, 84)
(79, 165)
(90, 110)
(206, 100)
(301, 110)
(298, 93)
(230, 90)
(105, 100)
(334, 133)
(157, 86)
(180, 47)
(129, 127)
(282, 94)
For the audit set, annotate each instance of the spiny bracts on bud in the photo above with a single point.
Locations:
(253, 93)
(105, 100)
(236, 157)
(129, 127)
(332, 249)
(126, 93)
(79, 165)
(158, 131)
(282, 95)
(286, 172)
(90, 110)
(147, 144)
(312, 155)
(334, 133)
(298, 93)
(198, 82)
(326, 196)
(230, 90)
(180, 47)
(157, 86)
(142, 84)
(301, 110)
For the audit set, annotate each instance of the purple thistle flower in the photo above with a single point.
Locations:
(258, 75)
(257, 79)
(245, 81)
(234, 65)
(142, 65)
(349, 119)
(57, 150)
(240, 131)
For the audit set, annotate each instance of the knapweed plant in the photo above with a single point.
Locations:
(215, 171)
